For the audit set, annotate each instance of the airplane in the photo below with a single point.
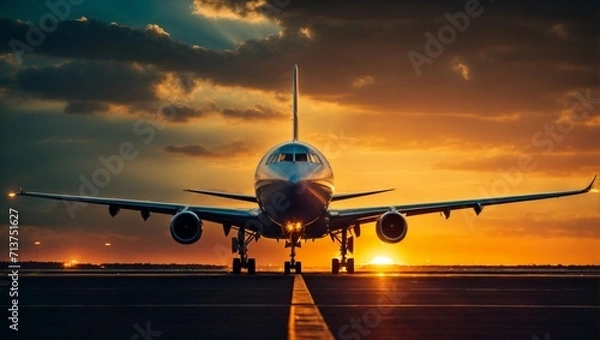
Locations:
(294, 187)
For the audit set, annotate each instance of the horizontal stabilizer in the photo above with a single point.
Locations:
(239, 197)
(340, 197)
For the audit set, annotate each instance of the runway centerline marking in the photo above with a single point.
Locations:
(306, 321)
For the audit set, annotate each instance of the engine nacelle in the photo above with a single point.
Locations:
(391, 227)
(186, 227)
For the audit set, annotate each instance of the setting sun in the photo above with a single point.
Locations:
(381, 260)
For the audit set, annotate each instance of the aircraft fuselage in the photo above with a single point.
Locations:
(294, 186)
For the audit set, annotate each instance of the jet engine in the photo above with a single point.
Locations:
(186, 227)
(391, 227)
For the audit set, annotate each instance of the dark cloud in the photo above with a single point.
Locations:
(95, 40)
(258, 112)
(233, 149)
(80, 81)
(86, 107)
(8, 67)
(183, 114)
(519, 55)
(195, 150)
(63, 140)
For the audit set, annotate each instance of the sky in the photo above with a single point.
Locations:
(441, 101)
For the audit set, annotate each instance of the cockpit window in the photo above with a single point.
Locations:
(315, 159)
(272, 158)
(286, 157)
(301, 157)
(290, 157)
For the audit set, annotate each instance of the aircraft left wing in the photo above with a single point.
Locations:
(214, 214)
(339, 218)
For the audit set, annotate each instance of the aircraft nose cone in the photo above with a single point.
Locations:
(294, 179)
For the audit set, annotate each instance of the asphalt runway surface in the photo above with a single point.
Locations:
(313, 305)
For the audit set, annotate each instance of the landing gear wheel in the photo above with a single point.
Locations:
(251, 266)
(335, 266)
(350, 266)
(346, 243)
(287, 268)
(239, 245)
(298, 267)
(237, 266)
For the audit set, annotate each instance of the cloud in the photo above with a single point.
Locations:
(522, 58)
(154, 28)
(462, 69)
(79, 107)
(63, 140)
(81, 81)
(258, 112)
(178, 113)
(307, 32)
(228, 150)
(559, 30)
(249, 10)
(8, 67)
(363, 81)
(183, 114)
(196, 150)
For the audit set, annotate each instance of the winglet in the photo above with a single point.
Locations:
(591, 185)
(295, 103)
(14, 194)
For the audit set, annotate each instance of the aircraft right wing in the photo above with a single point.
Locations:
(339, 197)
(339, 218)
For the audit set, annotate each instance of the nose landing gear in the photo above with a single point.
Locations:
(290, 265)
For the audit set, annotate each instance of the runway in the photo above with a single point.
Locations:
(274, 306)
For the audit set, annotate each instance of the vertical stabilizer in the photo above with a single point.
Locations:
(295, 103)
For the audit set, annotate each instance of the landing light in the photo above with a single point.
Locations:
(293, 226)
(12, 194)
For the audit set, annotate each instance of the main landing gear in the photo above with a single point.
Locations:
(346, 245)
(239, 245)
(290, 265)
